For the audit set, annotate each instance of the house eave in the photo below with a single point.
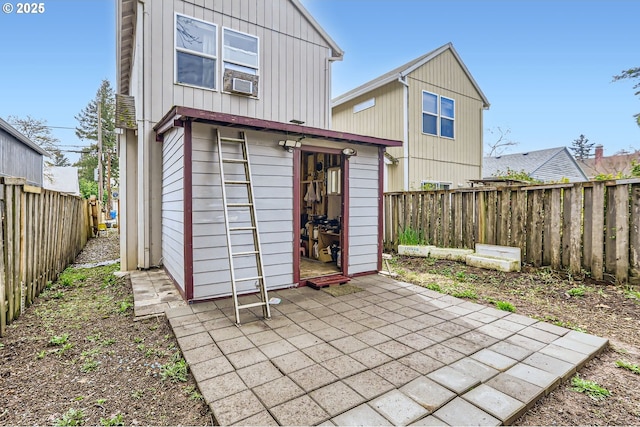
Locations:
(125, 40)
(20, 137)
(178, 114)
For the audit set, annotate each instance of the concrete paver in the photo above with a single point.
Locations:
(398, 408)
(391, 354)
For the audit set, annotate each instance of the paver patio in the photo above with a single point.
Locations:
(392, 354)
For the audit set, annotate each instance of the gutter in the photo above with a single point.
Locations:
(329, 108)
(402, 79)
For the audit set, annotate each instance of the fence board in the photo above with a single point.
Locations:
(446, 219)
(597, 231)
(610, 228)
(634, 235)
(621, 195)
(575, 238)
(492, 218)
(555, 221)
(587, 218)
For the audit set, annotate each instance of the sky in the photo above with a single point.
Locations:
(545, 66)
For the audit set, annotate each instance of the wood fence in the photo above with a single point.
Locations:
(583, 227)
(41, 232)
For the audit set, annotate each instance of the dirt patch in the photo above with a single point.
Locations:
(76, 357)
(579, 303)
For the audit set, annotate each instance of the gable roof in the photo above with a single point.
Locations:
(403, 71)
(126, 28)
(547, 164)
(20, 137)
(614, 165)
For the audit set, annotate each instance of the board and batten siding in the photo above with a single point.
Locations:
(293, 80)
(272, 175)
(363, 210)
(443, 159)
(173, 205)
(19, 161)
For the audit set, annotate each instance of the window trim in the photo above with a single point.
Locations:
(177, 49)
(364, 105)
(237, 63)
(439, 115)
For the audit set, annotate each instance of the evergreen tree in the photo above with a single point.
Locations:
(581, 148)
(87, 129)
(38, 131)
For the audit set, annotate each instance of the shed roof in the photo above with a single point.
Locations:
(178, 113)
(20, 137)
(529, 162)
(126, 17)
(404, 70)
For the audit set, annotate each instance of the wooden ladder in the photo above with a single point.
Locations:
(241, 188)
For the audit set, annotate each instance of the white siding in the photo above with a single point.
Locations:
(173, 205)
(272, 173)
(363, 210)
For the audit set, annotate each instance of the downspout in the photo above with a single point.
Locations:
(144, 186)
(327, 70)
(405, 137)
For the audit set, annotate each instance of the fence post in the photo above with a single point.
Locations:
(622, 233)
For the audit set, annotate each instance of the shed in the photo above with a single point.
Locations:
(19, 156)
(548, 165)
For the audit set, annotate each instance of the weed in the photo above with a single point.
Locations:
(89, 365)
(628, 366)
(153, 327)
(101, 401)
(590, 388)
(465, 293)
(73, 417)
(57, 295)
(58, 339)
(192, 392)
(109, 281)
(41, 355)
(433, 286)
(107, 342)
(505, 306)
(409, 236)
(569, 325)
(71, 276)
(92, 352)
(137, 394)
(124, 306)
(116, 420)
(632, 294)
(175, 370)
(577, 292)
(65, 347)
(140, 347)
(461, 276)
(137, 340)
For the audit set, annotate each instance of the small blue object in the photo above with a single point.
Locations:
(112, 214)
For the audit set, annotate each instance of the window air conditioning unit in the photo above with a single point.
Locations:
(242, 86)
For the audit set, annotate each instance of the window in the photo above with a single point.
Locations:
(438, 115)
(196, 52)
(240, 51)
(364, 105)
(427, 185)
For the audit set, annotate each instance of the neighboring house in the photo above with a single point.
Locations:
(189, 71)
(434, 105)
(618, 165)
(19, 156)
(63, 179)
(549, 165)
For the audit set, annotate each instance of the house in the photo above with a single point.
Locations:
(191, 73)
(434, 105)
(618, 165)
(548, 165)
(19, 156)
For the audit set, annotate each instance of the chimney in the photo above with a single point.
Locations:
(599, 153)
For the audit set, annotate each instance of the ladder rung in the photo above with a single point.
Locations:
(239, 205)
(237, 182)
(248, 279)
(234, 161)
(241, 228)
(244, 253)
(253, 304)
(222, 138)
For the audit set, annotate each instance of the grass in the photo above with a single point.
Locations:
(115, 420)
(58, 340)
(410, 237)
(628, 366)
(590, 388)
(505, 306)
(465, 293)
(578, 291)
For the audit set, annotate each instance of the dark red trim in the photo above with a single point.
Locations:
(296, 216)
(223, 119)
(364, 273)
(175, 283)
(381, 172)
(188, 211)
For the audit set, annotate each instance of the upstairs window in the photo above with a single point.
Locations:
(438, 115)
(196, 52)
(240, 51)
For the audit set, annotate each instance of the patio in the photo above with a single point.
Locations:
(391, 354)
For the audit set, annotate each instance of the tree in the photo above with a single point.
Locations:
(87, 129)
(632, 73)
(38, 131)
(581, 148)
(502, 144)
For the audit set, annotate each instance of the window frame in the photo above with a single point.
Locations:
(177, 49)
(439, 115)
(238, 65)
(364, 105)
